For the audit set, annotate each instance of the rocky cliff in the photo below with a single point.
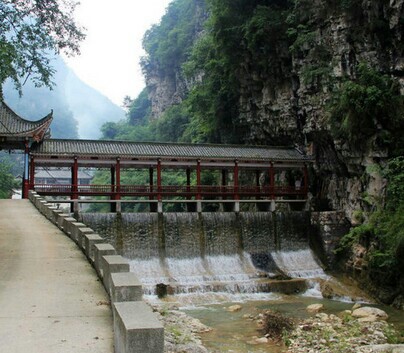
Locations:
(286, 103)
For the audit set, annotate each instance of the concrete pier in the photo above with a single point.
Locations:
(51, 298)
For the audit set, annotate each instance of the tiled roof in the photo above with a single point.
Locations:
(124, 149)
(11, 125)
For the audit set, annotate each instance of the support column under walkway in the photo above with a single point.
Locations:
(50, 298)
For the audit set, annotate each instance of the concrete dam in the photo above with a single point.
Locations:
(210, 251)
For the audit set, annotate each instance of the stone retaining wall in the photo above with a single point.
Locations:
(330, 227)
(136, 327)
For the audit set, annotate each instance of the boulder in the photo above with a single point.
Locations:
(368, 311)
(315, 308)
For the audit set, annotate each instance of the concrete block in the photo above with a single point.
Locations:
(37, 198)
(125, 287)
(74, 230)
(101, 250)
(48, 212)
(80, 236)
(66, 224)
(41, 205)
(137, 329)
(112, 264)
(55, 214)
(89, 240)
(60, 218)
(31, 194)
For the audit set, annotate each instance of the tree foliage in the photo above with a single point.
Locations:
(167, 44)
(7, 181)
(368, 105)
(30, 31)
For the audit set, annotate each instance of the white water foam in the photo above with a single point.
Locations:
(232, 273)
(298, 264)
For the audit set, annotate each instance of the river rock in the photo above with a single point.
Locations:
(356, 306)
(322, 316)
(234, 308)
(383, 348)
(258, 340)
(315, 308)
(369, 312)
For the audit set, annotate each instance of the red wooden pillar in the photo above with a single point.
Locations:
(159, 189)
(224, 182)
(272, 180)
(32, 174)
(257, 183)
(118, 179)
(74, 190)
(305, 180)
(112, 181)
(25, 181)
(75, 179)
(198, 180)
(236, 186)
(188, 183)
(151, 182)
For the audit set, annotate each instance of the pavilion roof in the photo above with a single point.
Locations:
(12, 126)
(155, 150)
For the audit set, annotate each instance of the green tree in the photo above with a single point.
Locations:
(7, 182)
(30, 31)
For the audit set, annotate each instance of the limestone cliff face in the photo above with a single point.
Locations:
(290, 106)
(168, 86)
(287, 104)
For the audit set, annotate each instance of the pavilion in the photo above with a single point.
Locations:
(17, 133)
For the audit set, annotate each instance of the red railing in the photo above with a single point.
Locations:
(167, 190)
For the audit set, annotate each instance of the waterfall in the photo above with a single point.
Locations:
(210, 251)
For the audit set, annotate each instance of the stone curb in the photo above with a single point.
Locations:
(136, 327)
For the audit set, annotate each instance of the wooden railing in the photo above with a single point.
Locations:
(167, 190)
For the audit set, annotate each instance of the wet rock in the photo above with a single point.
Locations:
(369, 312)
(161, 290)
(234, 308)
(315, 308)
(356, 306)
(399, 302)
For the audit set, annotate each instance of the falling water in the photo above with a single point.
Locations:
(210, 251)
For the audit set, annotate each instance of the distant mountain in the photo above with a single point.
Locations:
(78, 109)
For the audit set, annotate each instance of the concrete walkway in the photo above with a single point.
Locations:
(50, 298)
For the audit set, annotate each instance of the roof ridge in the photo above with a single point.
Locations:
(158, 143)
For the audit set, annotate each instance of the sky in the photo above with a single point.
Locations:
(110, 55)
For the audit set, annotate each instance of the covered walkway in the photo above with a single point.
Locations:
(50, 298)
